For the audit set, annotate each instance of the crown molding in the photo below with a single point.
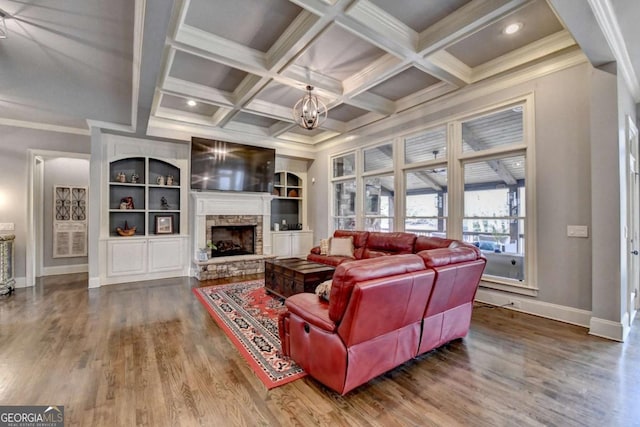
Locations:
(606, 17)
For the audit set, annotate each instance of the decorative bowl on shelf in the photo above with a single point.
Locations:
(293, 193)
(275, 192)
(126, 231)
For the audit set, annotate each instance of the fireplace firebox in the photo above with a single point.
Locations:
(231, 240)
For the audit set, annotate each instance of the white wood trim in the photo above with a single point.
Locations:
(451, 65)
(21, 282)
(138, 30)
(538, 49)
(219, 49)
(616, 331)
(379, 70)
(65, 269)
(606, 17)
(547, 310)
(44, 126)
(465, 21)
(177, 87)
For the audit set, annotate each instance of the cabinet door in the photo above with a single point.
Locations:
(281, 244)
(165, 254)
(126, 257)
(301, 244)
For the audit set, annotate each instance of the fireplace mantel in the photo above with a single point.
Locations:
(228, 203)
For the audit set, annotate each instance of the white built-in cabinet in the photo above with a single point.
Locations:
(154, 176)
(289, 205)
(292, 243)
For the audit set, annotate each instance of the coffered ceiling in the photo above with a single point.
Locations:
(247, 62)
(133, 65)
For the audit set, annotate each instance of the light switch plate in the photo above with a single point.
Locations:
(577, 231)
(7, 226)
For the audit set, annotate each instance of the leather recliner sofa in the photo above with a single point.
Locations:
(372, 244)
(382, 312)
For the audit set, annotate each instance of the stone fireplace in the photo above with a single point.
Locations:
(239, 218)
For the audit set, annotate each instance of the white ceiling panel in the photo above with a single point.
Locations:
(254, 119)
(419, 14)
(256, 24)
(178, 103)
(406, 83)
(339, 54)
(196, 69)
(345, 113)
(538, 21)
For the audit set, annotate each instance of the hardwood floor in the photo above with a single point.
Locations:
(149, 354)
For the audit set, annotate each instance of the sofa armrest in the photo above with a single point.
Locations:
(311, 309)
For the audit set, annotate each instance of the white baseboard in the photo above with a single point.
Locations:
(609, 329)
(94, 282)
(65, 269)
(547, 310)
(21, 282)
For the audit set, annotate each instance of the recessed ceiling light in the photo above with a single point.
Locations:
(512, 28)
(191, 103)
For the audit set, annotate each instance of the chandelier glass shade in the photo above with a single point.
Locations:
(309, 112)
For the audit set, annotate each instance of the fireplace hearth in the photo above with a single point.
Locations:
(231, 240)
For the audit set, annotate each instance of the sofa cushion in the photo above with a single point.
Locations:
(324, 246)
(333, 261)
(350, 273)
(341, 246)
(323, 290)
(389, 243)
(429, 242)
(445, 256)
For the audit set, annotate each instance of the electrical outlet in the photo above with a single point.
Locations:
(7, 226)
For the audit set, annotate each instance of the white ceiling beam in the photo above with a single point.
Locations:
(304, 28)
(279, 128)
(372, 102)
(531, 52)
(443, 62)
(300, 77)
(427, 94)
(209, 46)
(393, 29)
(178, 87)
(465, 21)
(248, 88)
(374, 74)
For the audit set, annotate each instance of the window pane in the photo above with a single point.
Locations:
(426, 146)
(494, 215)
(345, 198)
(344, 224)
(426, 202)
(379, 202)
(344, 165)
(496, 129)
(378, 158)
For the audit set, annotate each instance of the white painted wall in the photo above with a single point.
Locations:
(14, 180)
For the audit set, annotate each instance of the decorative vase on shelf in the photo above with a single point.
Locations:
(170, 180)
(160, 180)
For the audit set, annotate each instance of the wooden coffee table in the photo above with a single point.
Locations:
(289, 276)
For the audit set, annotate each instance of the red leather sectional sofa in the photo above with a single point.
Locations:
(385, 308)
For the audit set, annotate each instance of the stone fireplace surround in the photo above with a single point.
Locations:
(230, 208)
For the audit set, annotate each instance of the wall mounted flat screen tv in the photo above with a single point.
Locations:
(227, 166)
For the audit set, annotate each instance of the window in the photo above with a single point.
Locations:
(465, 179)
(379, 203)
(493, 216)
(344, 192)
(426, 202)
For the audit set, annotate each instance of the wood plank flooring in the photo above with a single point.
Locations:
(149, 354)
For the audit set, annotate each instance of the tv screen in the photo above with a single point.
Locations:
(227, 166)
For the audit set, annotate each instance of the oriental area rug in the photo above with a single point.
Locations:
(249, 317)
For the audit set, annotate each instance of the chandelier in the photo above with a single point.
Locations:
(309, 112)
